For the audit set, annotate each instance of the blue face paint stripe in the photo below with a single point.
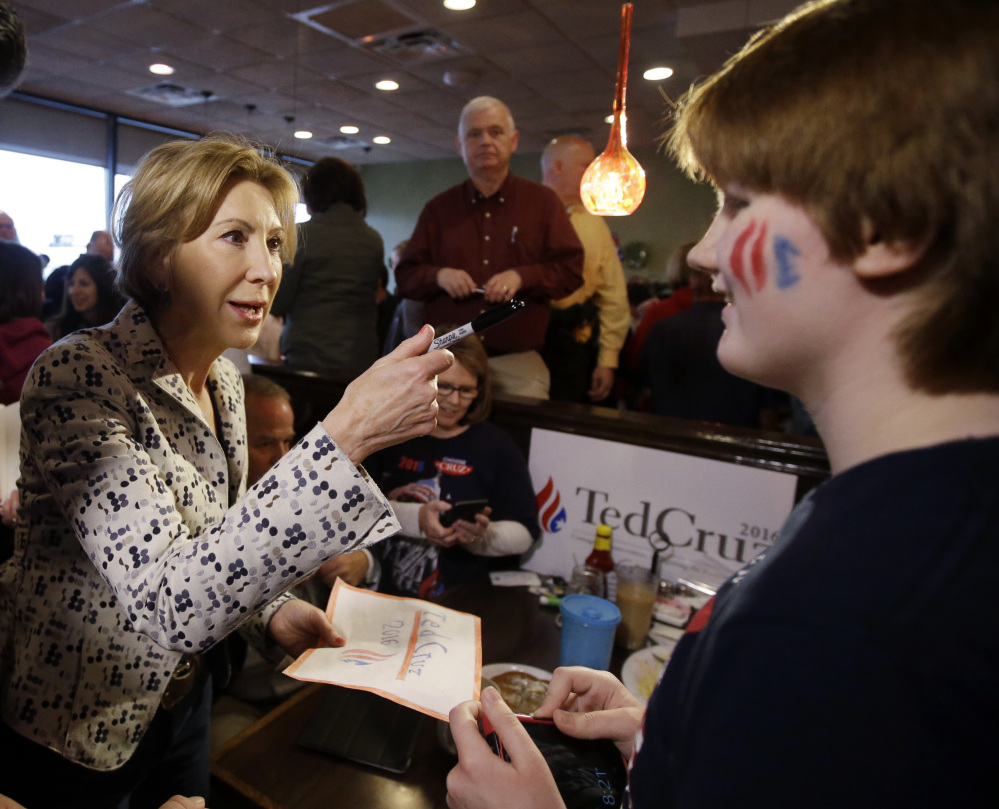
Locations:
(785, 251)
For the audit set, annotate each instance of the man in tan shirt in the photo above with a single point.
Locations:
(588, 327)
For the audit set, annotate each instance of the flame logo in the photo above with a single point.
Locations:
(551, 512)
(364, 657)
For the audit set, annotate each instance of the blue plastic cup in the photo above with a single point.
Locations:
(588, 625)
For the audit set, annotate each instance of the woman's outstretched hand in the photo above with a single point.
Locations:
(391, 402)
(298, 626)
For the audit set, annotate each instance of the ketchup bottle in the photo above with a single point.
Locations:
(600, 558)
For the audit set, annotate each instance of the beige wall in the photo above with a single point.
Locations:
(674, 210)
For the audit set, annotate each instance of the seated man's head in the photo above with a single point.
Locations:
(270, 425)
(847, 138)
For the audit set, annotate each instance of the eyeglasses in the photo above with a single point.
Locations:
(444, 389)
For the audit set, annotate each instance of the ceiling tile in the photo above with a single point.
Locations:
(407, 82)
(112, 78)
(63, 88)
(270, 102)
(218, 15)
(534, 61)
(277, 74)
(329, 93)
(38, 22)
(138, 63)
(87, 44)
(144, 25)
(506, 32)
(344, 60)
(230, 88)
(584, 18)
(558, 85)
(433, 11)
(283, 37)
(53, 60)
(69, 9)
(217, 52)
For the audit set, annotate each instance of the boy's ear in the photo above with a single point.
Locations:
(882, 258)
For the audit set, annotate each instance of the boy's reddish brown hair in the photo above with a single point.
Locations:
(880, 114)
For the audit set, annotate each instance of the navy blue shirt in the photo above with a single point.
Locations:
(856, 662)
(481, 463)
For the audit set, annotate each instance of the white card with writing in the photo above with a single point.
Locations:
(413, 652)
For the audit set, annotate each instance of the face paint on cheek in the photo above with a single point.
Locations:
(756, 261)
(735, 259)
(785, 251)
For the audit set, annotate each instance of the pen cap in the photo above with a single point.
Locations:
(497, 315)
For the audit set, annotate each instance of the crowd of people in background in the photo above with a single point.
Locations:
(580, 339)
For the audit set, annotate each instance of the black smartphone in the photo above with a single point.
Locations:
(463, 510)
(588, 772)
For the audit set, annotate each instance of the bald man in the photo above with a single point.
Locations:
(100, 244)
(501, 234)
(588, 328)
(8, 232)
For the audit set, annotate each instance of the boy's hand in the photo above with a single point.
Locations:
(481, 779)
(589, 704)
(180, 802)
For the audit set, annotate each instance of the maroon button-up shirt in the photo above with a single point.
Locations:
(522, 227)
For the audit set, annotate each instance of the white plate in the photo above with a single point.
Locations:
(494, 669)
(640, 671)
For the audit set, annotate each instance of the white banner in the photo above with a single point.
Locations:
(715, 516)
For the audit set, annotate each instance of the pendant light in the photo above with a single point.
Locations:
(614, 183)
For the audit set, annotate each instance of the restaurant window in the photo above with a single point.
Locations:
(56, 204)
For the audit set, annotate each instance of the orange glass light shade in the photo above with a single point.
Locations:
(614, 183)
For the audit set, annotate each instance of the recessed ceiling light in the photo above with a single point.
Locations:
(303, 134)
(381, 139)
(387, 84)
(160, 69)
(349, 130)
(657, 73)
(459, 5)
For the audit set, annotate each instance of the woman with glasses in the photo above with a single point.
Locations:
(465, 458)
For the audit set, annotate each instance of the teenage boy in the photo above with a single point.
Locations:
(855, 147)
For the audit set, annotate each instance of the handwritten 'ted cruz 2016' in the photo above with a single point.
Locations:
(784, 252)
(424, 642)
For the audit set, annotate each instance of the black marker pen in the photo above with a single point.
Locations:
(484, 321)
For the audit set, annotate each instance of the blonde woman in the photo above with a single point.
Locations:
(137, 548)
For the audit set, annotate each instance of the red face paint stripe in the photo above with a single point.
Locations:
(735, 260)
(757, 264)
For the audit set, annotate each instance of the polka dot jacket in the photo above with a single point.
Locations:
(135, 543)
